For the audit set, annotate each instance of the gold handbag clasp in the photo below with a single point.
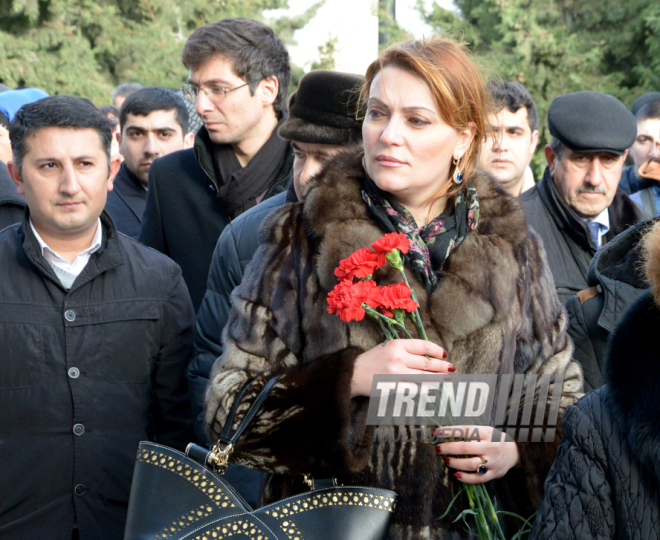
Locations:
(219, 457)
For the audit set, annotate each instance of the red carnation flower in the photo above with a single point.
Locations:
(391, 241)
(359, 264)
(368, 293)
(342, 300)
(398, 296)
(347, 298)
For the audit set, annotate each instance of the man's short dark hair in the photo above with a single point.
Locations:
(513, 96)
(649, 110)
(125, 90)
(253, 48)
(56, 111)
(152, 98)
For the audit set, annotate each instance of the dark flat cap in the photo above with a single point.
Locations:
(592, 122)
(324, 108)
(643, 100)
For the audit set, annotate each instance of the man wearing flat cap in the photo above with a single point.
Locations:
(578, 206)
(321, 123)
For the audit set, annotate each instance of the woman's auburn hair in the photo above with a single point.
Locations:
(456, 85)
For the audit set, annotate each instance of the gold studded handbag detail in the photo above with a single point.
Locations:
(178, 496)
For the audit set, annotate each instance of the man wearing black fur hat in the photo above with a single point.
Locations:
(578, 206)
(322, 122)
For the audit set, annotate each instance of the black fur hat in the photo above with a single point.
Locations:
(324, 109)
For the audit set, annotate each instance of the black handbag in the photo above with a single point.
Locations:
(178, 496)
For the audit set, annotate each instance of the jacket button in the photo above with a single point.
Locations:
(74, 372)
(79, 429)
(70, 315)
(79, 490)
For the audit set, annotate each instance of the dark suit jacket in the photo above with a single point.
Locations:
(126, 202)
(184, 215)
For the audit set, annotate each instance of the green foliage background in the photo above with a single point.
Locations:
(86, 47)
(553, 47)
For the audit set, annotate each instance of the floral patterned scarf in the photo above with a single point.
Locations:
(430, 245)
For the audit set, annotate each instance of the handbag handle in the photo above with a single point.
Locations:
(219, 456)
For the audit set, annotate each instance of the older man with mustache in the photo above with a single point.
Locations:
(578, 206)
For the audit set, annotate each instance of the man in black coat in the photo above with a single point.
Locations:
(12, 205)
(321, 123)
(239, 76)
(153, 123)
(96, 333)
(577, 206)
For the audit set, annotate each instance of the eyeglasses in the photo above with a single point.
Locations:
(212, 92)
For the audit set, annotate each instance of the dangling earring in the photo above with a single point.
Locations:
(458, 175)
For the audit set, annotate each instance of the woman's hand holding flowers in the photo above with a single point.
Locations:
(497, 454)
(397, 357)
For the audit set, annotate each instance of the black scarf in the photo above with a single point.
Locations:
(430, 245)
(240, 188)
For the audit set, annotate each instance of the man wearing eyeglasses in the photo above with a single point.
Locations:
(239, 76)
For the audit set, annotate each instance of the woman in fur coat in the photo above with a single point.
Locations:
(605, 482)
(486, 298)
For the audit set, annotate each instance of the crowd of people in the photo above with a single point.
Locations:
(161, 251)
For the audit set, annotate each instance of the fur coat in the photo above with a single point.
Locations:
(494, 310)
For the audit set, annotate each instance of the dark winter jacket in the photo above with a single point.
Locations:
(184, 216)
(86, 374)
(126, 202)
(568, 243)
(12, 205)
(494, 311)
(236, 247)
(643, 192)
(605, 483)
(615, 281)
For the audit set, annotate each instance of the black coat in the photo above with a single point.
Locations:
(126, 202)
(12, 205)
(605, 482)
(85, 375)
(184, 216)
(236, 247)
(568, 243)
(234, 251)
(615, 281)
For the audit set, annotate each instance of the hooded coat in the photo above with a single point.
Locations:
(493, 311)
(606, 480)
(615, 281)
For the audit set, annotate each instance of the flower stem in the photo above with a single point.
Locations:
(391, 323)
(415, 314)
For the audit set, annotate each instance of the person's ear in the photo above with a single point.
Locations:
(269, 88)
(465, 138)
(115, 163)
(551, 158)
(188, 140)
(534, 142)
(12, 169)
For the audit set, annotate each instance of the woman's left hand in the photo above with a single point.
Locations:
(496, 454)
